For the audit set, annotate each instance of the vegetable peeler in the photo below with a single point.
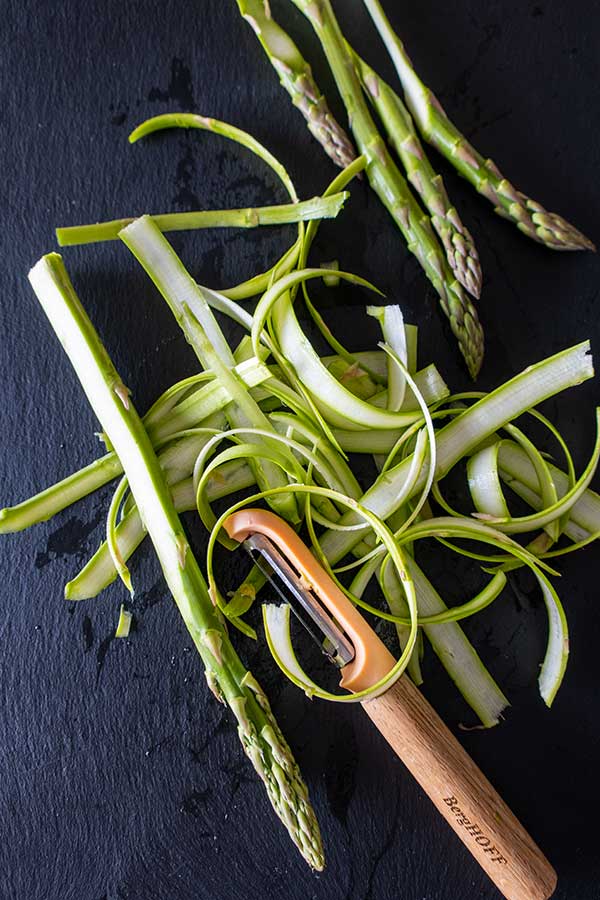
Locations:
(447, 774)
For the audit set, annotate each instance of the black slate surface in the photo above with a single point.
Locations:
(120, 778)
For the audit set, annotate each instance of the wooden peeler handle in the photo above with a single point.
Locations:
(461, 793)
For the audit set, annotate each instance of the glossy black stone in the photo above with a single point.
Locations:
(121, 778)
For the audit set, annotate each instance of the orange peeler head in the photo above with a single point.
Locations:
(305, 577)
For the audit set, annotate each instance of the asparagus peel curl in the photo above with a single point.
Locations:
(225, 673)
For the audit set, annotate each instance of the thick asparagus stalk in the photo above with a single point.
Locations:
(296, 77)
(457, 240)
(529, 216)
(226, 675)
(392, 189)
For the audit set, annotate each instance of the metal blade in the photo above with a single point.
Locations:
(305, 605)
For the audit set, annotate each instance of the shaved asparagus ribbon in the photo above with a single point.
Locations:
(259, 283)
(394, 334)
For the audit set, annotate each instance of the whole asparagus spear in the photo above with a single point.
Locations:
(225, 673)
(296, 77)
(397, 121)
(393, 190)
(529, 216)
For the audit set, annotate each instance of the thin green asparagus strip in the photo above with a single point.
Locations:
(211, 398)
(517, 470)
(181, 452)
(205, 402)
(100, 571)
(227, 676)
(376, 360)
(458, 656)
(454, 650)
(396, 602)
(224, 129)
(47, 503)
(259, 283)
(392, 189)
(455, 236)
(296, 77)
(284, 214)
(529, 216)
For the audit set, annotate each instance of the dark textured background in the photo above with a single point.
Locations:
(119, 777)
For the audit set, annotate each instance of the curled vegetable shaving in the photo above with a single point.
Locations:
(111, 524)
(285, 285)
(557, 650)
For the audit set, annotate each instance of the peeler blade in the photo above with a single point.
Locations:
(303, 602)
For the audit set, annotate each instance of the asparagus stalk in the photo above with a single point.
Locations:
(393, 190)
(252, 217)
(226, 674)
(296, 77)
(455, 236)
(529, 216)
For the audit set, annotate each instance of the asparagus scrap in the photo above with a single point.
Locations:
(393, 190)
(225, 673)
(296, 77)
(397, 121)
(529, 216)
(251, 217)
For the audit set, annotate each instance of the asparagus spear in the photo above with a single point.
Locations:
(296, 77)
(392, 189)
(529, 216)
(225, 673)
(457, 240)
